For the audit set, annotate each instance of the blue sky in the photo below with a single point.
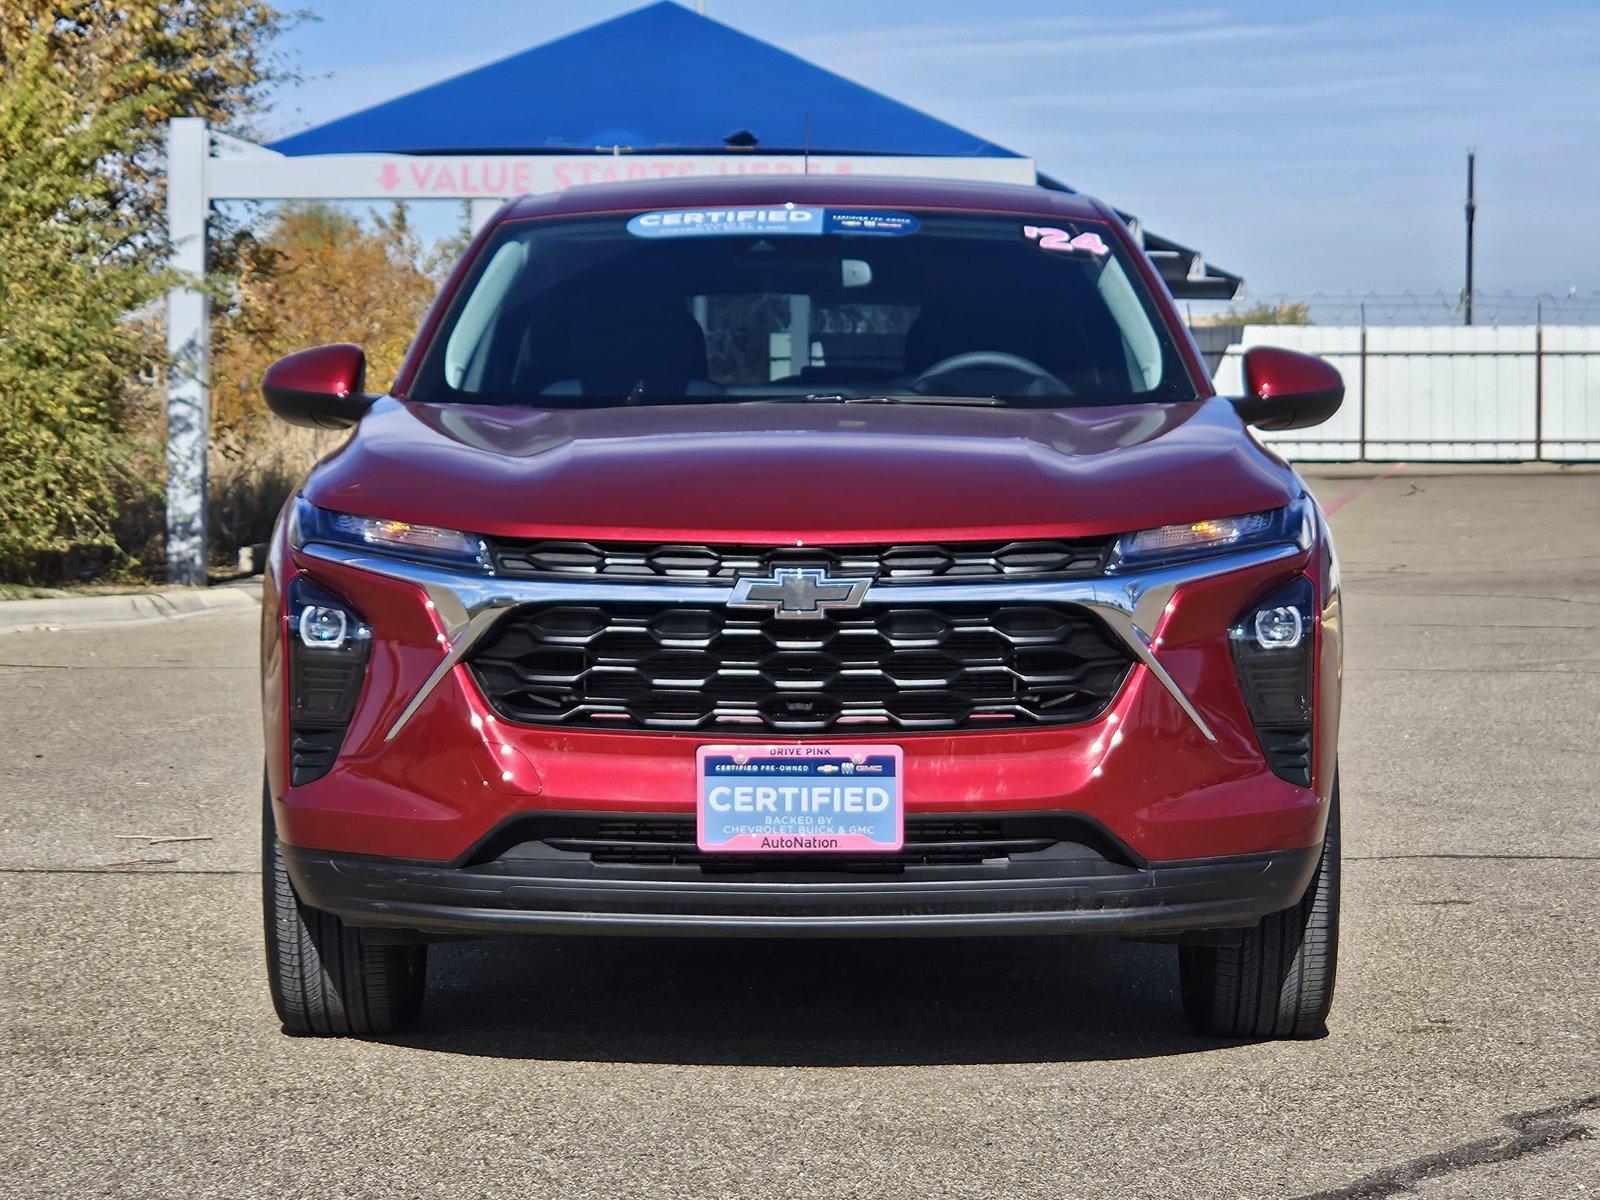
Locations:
(1308, 147)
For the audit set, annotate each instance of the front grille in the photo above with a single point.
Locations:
(905, 561)
(929, 841)
(669, 840)
(877, 667)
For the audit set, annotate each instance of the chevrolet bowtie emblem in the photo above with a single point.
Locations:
(802, 592)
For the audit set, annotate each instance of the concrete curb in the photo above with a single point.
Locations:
(143, 608)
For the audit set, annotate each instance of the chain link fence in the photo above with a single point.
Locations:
(1400, 308)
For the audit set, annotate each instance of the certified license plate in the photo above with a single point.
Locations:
(805, 799)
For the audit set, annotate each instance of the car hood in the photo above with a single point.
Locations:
(800, 472)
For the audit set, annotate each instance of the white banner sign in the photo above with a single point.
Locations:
(267, 176)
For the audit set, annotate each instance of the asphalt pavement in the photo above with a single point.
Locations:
(139, 1055)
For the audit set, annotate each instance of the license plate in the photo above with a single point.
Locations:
(805, 799)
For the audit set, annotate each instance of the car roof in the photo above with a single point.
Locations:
(879, 191)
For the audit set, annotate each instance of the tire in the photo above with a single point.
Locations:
(1278, 981)
(329, 979)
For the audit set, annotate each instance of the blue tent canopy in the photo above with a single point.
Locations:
(663, 79)
(660, 78)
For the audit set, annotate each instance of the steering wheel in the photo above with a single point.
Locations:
(987, 372)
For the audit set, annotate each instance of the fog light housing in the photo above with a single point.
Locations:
(1279, 628)
(323, 627)
(1273, 656)
(328, 651)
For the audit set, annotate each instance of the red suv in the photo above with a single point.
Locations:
(802, 557)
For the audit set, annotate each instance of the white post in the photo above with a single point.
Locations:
(188, 352)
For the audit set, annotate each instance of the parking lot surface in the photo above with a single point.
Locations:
(139, 1055)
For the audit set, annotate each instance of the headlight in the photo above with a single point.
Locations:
(1290, 525)
(427, 542)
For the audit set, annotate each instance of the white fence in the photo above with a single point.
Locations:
(1447, 393)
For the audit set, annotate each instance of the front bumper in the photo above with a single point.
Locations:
(428, 769)
(1065, 887)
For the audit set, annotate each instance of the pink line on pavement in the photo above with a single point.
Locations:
(1335, 505)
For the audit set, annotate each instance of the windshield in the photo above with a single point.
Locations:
(806, 304)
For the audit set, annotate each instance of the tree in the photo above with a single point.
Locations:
(85, 90)
(314, 274)
(67, 285)
(154, 60)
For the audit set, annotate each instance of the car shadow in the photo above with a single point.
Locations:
(866, 1002)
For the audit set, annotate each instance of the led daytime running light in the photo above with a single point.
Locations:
(1198, 535)
(402, 535)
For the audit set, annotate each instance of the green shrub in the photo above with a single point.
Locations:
(86, 88)
(69, 278)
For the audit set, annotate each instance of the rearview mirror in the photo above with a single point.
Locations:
(1287, 390)
(320, 387)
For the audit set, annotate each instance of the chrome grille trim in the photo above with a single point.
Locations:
(468, 606)
(729, 561)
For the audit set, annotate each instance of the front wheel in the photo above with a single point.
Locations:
(1278, 981)
(327, 978)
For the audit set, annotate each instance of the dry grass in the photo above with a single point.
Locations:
(251, 481)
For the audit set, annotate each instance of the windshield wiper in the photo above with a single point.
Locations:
(952, 401)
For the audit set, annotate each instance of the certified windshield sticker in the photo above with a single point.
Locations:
(787, 220)
(727, 222)
(882, 224)
(1050, 238)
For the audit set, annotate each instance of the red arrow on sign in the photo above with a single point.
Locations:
(389, 176)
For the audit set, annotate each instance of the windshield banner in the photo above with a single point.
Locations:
(788, 220)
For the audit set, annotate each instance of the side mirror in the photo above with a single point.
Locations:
(320, 387)
(1287, 390)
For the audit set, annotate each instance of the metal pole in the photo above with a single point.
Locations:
(1538, 382)
(1472, 209)
(1362, 449)
(188, 352)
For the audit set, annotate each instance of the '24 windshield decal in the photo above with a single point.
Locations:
(1050, 238)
